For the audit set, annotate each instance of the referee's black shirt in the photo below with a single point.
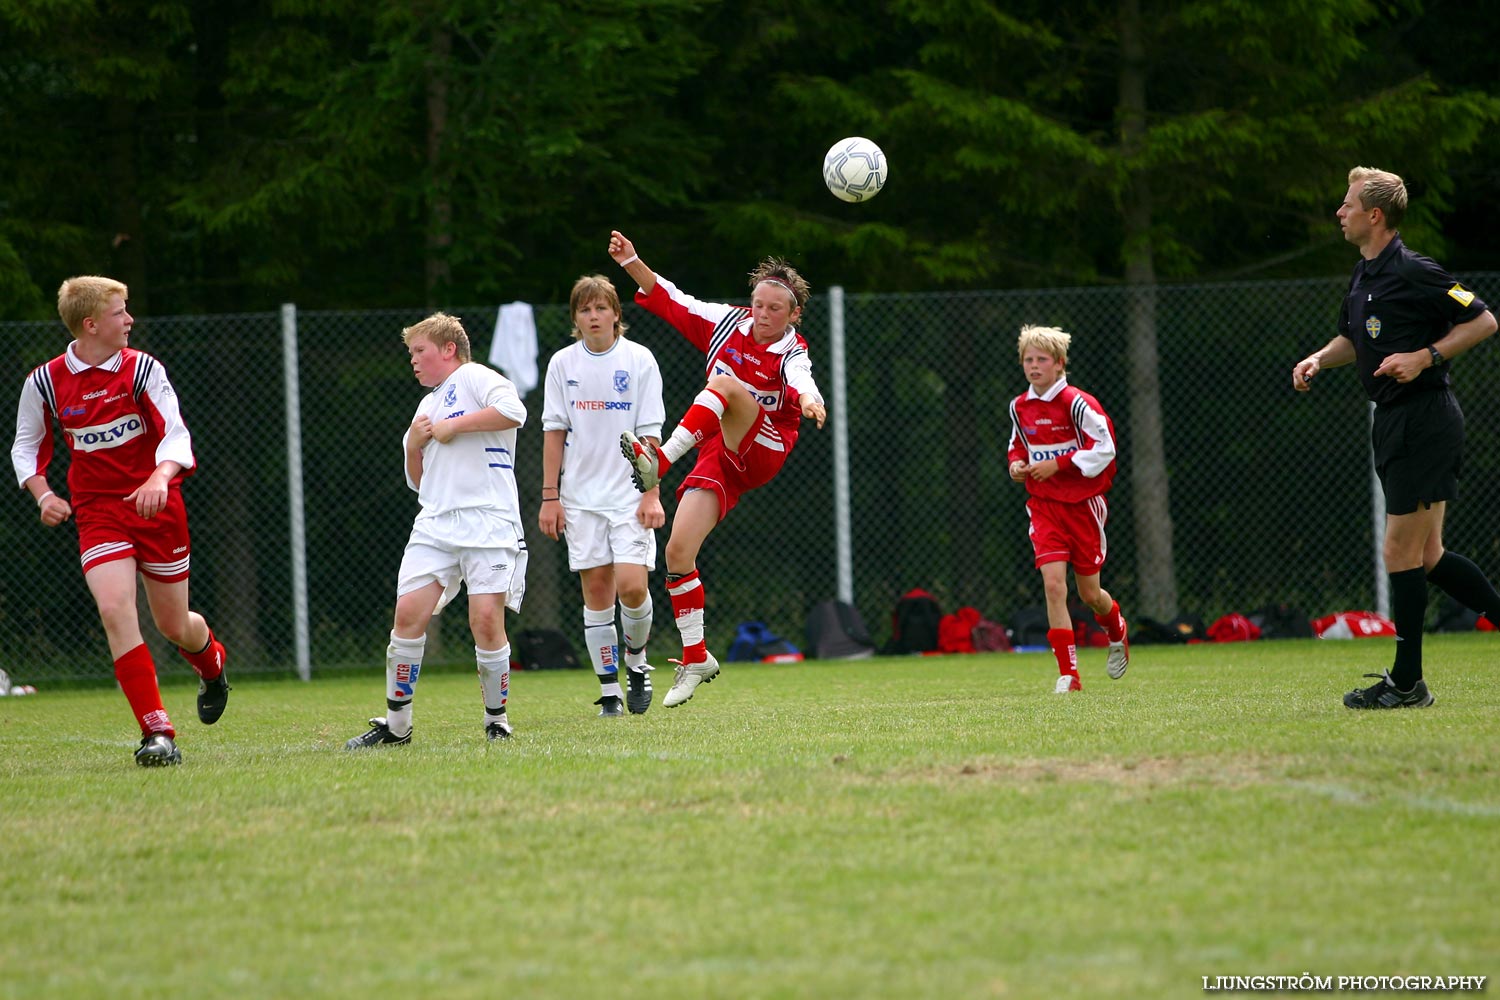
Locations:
(1397, 303)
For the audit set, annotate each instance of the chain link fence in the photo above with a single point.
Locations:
(1270, 491)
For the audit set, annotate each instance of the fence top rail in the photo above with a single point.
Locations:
(1485, 278)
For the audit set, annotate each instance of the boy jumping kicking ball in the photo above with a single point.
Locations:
(1062, 446)
(460, 452)
(743, 423)
(130, 452)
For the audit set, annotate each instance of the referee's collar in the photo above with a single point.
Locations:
(1378, 263)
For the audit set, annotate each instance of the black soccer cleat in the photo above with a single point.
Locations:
(380, 735)
(610, 706)
(158, 750)
(638, 693)
(212, 697)
(498, 730)
(1385, 695)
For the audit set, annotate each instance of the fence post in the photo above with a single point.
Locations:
(838, 413)
(295, 506)
(1377, 532)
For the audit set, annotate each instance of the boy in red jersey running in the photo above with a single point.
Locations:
(130, 451)
(744, 423)
(1062, 446)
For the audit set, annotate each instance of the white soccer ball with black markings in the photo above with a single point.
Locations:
(854, 169)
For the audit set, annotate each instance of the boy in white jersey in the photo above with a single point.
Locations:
(460, 453)
(1062, 446)
(130, 451)
(598, 388)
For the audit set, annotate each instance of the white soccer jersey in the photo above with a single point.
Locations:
(596, 398)
(476, 469)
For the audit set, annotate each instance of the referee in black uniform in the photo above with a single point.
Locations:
(1403, 320)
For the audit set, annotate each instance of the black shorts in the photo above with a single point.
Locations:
(1419, 450)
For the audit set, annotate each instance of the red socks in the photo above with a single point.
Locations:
(136, 672)
(704, 416)
(686, 592)
(208, 662)
(1113, 622)
(1065, 648)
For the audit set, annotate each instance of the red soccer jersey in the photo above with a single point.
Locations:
(777, 375)
(1069, 425)
(120, 420)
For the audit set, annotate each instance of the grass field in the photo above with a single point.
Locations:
(939, 827)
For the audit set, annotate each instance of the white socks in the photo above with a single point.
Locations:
(637, 628)
(403, 665)
(494, 680)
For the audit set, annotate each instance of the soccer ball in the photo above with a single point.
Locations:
(854, 169)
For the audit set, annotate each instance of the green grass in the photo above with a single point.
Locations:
(935, 827)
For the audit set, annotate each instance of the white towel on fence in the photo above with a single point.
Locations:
(514, 349)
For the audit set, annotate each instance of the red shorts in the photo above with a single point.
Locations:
(1071, 532)
(109, 529)
(729, 474)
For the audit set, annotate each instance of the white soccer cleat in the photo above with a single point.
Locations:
(1066, 683)
(1118, 660)
(644, 464)
(689, 676)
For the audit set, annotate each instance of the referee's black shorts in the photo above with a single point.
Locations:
(1419, 449)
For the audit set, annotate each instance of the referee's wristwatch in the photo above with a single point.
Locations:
(1437, 356)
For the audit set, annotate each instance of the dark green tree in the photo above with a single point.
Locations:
(448, 148)
(90, 139)
(1121, 141)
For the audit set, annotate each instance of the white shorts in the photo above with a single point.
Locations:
(605, 537)
(433, 557)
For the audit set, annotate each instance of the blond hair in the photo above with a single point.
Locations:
(83, 297)
(1383, 190)
(776, 270)
(1045, 338)
(593, 288)
(442, 330)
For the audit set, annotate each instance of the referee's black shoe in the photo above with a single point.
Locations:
(1386, 695)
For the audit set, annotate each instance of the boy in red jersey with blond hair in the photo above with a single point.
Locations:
(1062, 446)
(130, 451)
